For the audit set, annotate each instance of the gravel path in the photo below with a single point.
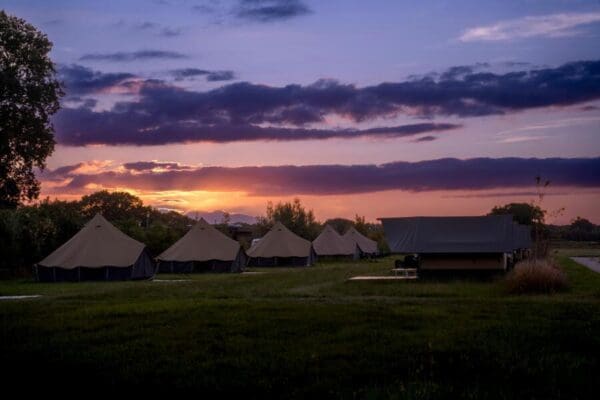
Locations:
(382, 278)
(33, 296)
(590, 262)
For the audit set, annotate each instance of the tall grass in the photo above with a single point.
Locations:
(536, 276)
(304, 333)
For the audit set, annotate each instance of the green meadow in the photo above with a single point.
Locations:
(295, 333)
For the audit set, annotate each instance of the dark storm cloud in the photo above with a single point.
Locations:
(124, 56)
(80, 80)
(211, 76)
(167, 114)
(270, 10)
(442, 174)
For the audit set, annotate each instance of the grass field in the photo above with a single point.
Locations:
(304, 332)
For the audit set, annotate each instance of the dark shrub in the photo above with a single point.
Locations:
(536, 276)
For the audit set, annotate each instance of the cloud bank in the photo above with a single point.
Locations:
(441, 174)
(165, 113)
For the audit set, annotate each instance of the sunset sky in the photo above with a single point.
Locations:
(376, 108)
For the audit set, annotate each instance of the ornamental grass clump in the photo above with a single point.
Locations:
(540, 276)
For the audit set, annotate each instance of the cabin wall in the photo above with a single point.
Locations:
(496, 261)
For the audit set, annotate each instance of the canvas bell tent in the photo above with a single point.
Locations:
(366, 246)
(99, 251)
(281, 247)
(203, 249)
(331, 244)
(484, 243)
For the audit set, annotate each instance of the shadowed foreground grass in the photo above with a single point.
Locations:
(295, 333)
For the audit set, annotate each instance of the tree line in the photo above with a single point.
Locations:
(30, 232)
(580, 229)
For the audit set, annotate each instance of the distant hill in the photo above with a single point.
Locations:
(216, 217)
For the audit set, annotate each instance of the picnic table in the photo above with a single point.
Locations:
(406, 272)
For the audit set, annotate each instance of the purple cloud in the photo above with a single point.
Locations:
(124, 56)
(150, 165)
(83, 126)
(441, 174)
(216, 76)
(270, 10)
(80, 80)
(166, 113)
(425, 139)
(211, 76)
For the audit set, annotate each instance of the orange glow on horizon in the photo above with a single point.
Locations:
(577, 202)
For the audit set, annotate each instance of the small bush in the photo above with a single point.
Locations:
(536, 276)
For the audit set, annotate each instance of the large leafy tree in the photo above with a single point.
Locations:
(523, 213)
(31, 232)
(158, 230)
(114, 206)
(582, 229)
(294, 216)
(341, 225)
(29, 95)
(582, 225)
